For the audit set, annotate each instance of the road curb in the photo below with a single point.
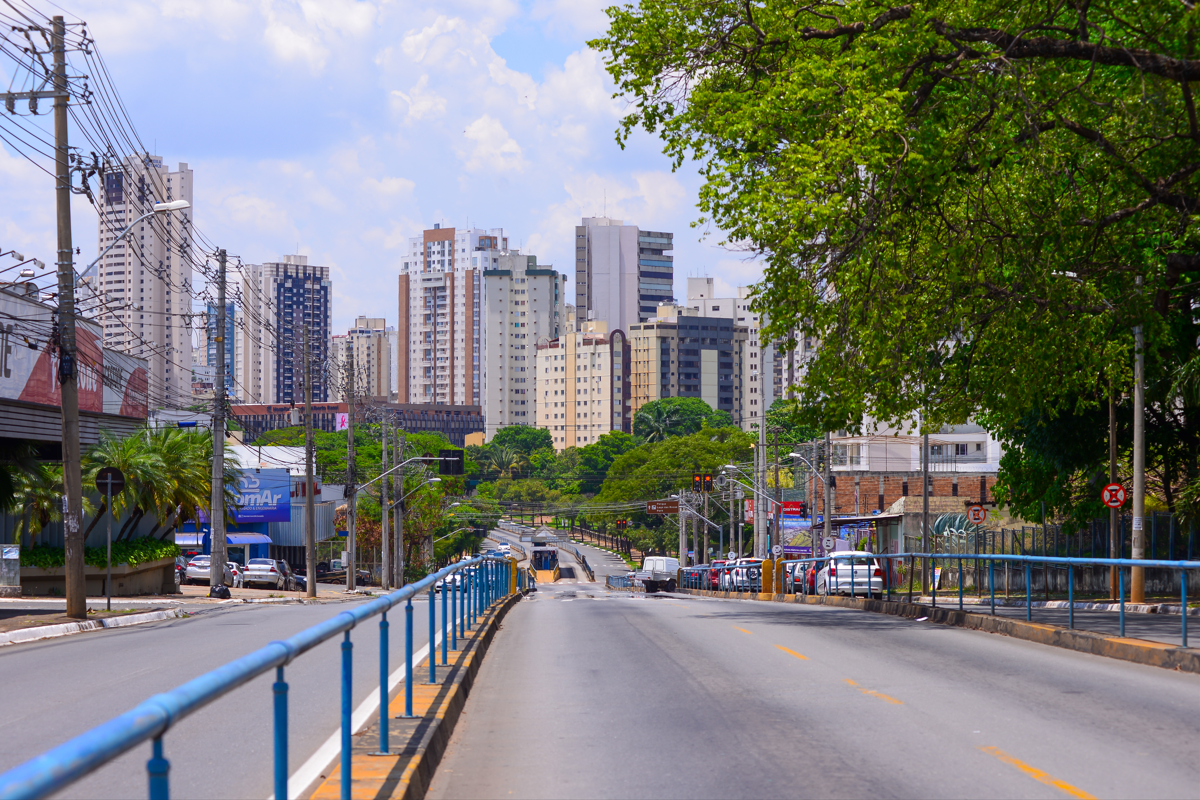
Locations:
(68, 628)
(1138, 651)
(408, 774)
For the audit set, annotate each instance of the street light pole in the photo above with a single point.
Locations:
(384, 540)
(351, 476)
(1137, 575)
(310, 530)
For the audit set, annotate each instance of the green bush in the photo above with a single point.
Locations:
(134, 552)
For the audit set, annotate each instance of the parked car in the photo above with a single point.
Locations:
(851, 572)
(198, 571)
(746, 575)
(181, 564)
(795, 575)
(715, 573)
(238, 573)
(266, 572)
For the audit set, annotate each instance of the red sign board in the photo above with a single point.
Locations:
(1113, 495)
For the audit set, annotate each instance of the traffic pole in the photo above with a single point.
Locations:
(1137, 575)
(218, 554)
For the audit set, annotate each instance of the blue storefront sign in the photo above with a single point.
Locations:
(263, 495)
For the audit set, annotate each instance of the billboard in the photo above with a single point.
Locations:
(29, 362)
(789, 508)
(126, 385)
(263, 495)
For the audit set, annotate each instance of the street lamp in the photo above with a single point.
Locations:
(159, 208)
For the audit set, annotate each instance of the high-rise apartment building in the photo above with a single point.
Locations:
(440, 325)
(145, 281)
(622, 273)
(276, 301)
(373, 345)
(582, 383)
(523, 304)
(681, 354)
(210, 357)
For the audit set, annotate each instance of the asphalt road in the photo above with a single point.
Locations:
(60, 688)
(589, 694)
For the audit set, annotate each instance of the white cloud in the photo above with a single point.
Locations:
(581, 18)
(389, 186)
(420, 102)
(493, 149)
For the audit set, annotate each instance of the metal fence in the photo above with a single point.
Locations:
(485, 580)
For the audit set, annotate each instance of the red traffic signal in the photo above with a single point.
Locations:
(697, 482)
(708, 482)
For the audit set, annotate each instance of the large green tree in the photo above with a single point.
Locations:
(676, 416)
(968, 203)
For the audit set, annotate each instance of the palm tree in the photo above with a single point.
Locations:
(39, 493)
(658, 423)
(505, 460)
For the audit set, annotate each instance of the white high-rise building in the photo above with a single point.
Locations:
(145, 282)
(373, 345)
(622, 273)
(581, 390)
(275, 301)
(523, 304)
(440, 325)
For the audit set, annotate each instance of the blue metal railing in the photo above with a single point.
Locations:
(485, 580)
(726, 576)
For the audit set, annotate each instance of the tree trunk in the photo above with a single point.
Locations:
(130, 524)
(100, 512)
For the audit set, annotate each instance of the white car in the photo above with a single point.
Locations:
(745, 576)
(851, 572)
(267, 572)
(198, 571)
(505, 549)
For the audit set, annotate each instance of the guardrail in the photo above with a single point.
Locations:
(814, 579)
(580, 557)
(618, 581)
(485, 580)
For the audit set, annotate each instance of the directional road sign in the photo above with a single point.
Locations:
(1113, 495)
(977, 515)
(662, 507)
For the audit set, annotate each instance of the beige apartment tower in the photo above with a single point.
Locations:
(582, 384)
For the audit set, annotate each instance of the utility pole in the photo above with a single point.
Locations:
(925, 513)
(704, 555)
(1137, 575)
(828, 491)
(310, 528)
(775, 530)
(1114, 548)
(351, 475)
(384, 541)
(216, 517)
(682, 530)
(67, 361)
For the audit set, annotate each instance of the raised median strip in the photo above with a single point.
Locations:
(68, 628)
(1138, 651)
(417, 743)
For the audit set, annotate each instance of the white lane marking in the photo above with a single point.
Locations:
(313, 768)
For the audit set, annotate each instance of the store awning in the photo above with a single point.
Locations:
(247, 538)
(189, 539)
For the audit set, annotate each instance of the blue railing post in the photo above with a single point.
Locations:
(159, 770)
(1121, 591)
(1071, 596)
(960, 585)
(992, 584)
(1028, 593)
(347, 701)
(454, 623)
(1183, 601)
(281, 734)
(445, 589)
(383, 687)
(408, 679)
(432, 638)
(933, 573)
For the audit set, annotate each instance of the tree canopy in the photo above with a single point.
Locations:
(969, 204)
(676, 416)
(523, 438)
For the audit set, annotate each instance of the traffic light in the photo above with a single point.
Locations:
(708, 482)
(803, 508)
(622, 524)
(697, 482)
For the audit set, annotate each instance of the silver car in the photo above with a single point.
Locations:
(266, 572)
(851, 572)
(198, 570)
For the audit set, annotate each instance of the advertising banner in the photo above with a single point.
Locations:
(263, 496)
(29, 363)
(126, 385)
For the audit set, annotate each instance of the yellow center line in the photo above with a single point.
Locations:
(792, 652)
(1037, 774)
(873, 693)
(743, 630)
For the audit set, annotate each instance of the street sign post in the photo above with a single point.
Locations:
(662, 507)
(827, 543)
(977, 515)
(1113, 495)
(109, 480)
(777, 550)
(732, 555)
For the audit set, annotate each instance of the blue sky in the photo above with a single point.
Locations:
(346, 127)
